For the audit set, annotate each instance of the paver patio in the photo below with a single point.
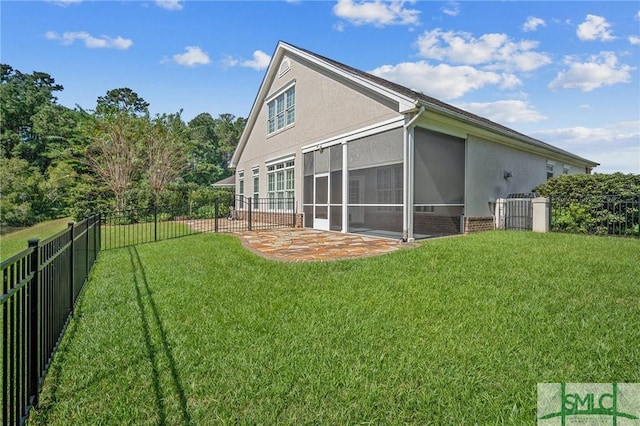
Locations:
(302, 245)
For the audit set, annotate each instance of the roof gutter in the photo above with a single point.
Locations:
(415, 117)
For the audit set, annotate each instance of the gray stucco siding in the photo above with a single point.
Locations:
(324, 107)
(486, 163)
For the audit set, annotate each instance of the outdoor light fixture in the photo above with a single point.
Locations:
(507, 174)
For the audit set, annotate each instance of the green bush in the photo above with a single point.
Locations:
(591, 204)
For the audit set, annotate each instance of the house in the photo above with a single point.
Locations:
(357, 153)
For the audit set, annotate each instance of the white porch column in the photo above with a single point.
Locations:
(407, 189)
(345, 187)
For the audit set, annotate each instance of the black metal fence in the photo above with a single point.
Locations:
(135, 226)
(40, 287)
(519, 212)
(596, 215)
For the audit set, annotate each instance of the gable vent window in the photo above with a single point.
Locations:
(282, 110)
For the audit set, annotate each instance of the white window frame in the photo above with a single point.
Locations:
(281, 184)
(550, 169)
(391, 193)
(565, 169)
(255, 173)
(241, 182)
(281, 110)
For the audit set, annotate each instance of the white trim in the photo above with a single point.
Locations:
(373, 205)
(290, 157)
(373, 129)
(440, 205)
(405, 103)
(285, 61)
(280, 91)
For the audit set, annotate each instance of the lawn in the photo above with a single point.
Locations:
(16, 241)
(199, 330)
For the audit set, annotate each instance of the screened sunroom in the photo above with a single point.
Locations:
(358, 185)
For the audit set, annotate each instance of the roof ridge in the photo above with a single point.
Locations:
(419, 96)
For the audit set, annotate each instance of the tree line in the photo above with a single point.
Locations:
(57, 161)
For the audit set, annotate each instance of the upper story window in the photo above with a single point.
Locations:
(550, 165)
(282, 110)
(565, 170)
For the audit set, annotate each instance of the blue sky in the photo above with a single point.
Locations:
(564, 72)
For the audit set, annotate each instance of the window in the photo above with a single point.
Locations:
(282, 110)
(281, 185)
(241, 182)
(565, 170)
(389, 185)
(256, 187)
(550, 165)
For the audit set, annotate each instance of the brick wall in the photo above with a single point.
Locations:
(478, 224)
(430, 224)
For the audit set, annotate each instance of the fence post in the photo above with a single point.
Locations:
(540, 208)
(216, 210)
(638, 216)
(71, 268)
(249, 213)
(99, 243)
(293, 211)
(86, 250)
(34, 331)
(550, 212)
(155, 222)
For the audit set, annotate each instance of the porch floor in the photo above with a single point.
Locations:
(303, 244)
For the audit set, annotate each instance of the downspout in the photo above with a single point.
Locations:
(407, 217)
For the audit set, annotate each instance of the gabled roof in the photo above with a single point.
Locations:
(408, 100)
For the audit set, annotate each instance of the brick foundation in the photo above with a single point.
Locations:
(430, 224)
(478, 224)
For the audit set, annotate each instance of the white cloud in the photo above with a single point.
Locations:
(600, 70)
(510, 81)
(170, 4)
(229, 61)
(616, 146)
(635, 40)
(103, 42)
(259, 62)
(625, 130)
(494, 50)
(192, 57)
(440, 81)
(64, 3)
(505, 112)
(595, 28)
(452, 8)
(533, 23)
(378, 13)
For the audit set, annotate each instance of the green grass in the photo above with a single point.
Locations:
(16, 241)
(199, 330)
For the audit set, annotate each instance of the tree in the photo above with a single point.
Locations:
(20, 184)
(115, 154)
(203, 154)
(122, 101)
(22, 96)
(228, 130)
(165, 151)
